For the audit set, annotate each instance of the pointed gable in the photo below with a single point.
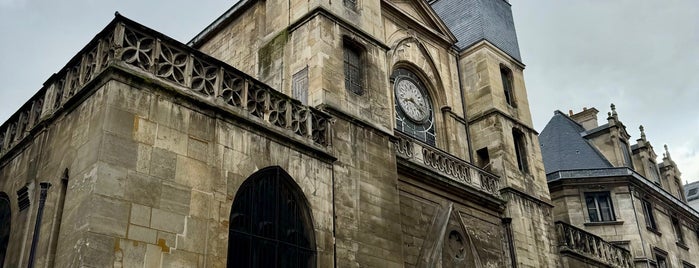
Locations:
(419, 12)
(564, 148)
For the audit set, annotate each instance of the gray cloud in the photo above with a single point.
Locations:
(642, 56)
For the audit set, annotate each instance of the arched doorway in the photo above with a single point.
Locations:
(5, 215)
(270, 223)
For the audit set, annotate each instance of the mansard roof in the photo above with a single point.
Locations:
(472, 21)
(564, 147)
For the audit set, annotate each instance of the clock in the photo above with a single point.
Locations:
(412, 100)
(414, 114)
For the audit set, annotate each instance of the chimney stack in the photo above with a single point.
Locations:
(587, 118)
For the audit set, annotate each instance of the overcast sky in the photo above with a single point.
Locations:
(642, 56)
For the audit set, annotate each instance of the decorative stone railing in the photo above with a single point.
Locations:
(446, 164)
(573, 239)
(133, 46)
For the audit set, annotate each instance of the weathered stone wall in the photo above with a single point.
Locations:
(630, 229)
(572, 261)
(491, 124)
(368, 231)
(448, 229)
(70, 142)
(153, 179)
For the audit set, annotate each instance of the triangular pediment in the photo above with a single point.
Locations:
(422, 14)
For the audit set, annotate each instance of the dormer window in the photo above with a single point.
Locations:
(625, 153)
(654, 175)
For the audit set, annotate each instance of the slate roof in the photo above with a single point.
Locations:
(563, 146)
(474, 20)
(692, 191)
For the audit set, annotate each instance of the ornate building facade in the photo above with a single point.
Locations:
(607, 191)
(371, 133)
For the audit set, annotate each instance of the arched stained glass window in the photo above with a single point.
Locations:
(5, 215)
(270, 223)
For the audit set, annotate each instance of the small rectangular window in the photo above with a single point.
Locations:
(299, 86)
(599, 207)
(507, 85)
(483, 158)
(351, 4)
(520, 151)
(677, 227)
(353, 69)
(661, 261)
(654, 174)
(626, 154)
(648, 214)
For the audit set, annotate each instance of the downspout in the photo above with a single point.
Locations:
(643, 243)
(510, 242)
(56, 225)
(37, 225)
(332, 193)
(463, 108)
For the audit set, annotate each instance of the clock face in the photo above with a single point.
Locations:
(414, 115)
(412, 100)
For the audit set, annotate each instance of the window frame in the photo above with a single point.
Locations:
(350, 48)
(520, 145)
(648, 215)
(351, 4)
(658, 257)
(598, 208)
(508, 85)
(270, 217)
(677, 229)
(5, 226)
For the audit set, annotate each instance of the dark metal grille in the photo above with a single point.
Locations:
(23, 198)
(270, 223)
(353, 71)
(5, 216)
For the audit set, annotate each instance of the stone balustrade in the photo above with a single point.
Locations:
(132, 46)
(571, 238)
(446, 164)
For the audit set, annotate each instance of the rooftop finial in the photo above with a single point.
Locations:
(643, 133)
(667, 153)
(613, 110)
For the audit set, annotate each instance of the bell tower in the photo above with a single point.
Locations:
(502, 136)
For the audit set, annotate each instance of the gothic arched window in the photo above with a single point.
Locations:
(5, 215)
(270, 223)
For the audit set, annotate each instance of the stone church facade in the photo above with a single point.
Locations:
(370, 133)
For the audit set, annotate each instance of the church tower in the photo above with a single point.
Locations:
(502, 136)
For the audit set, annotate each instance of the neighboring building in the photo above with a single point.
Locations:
(378, 133)
(691, 191)
(602, 184)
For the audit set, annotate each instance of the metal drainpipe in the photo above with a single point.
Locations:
(463, 108)
(37, 225)
(510, 243)
(643, 243)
